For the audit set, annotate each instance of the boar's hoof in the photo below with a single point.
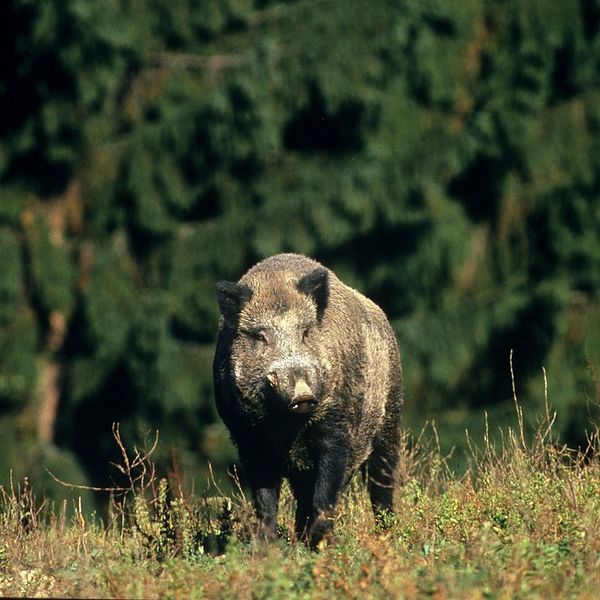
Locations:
(320, 532)
(267, 534)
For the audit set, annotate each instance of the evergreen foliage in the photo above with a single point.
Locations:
(442, 157)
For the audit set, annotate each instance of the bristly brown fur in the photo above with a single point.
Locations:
(309, 382)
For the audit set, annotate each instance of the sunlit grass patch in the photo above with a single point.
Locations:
(522, 521)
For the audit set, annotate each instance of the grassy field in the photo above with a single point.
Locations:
(523, 522)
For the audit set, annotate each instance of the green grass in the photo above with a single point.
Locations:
(523, 522)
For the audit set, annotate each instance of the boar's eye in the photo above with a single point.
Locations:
(258, 336)
(305, 332)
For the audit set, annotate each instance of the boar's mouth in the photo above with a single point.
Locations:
(303, 405)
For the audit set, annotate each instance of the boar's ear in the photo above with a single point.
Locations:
(316, 284)
(232, 296)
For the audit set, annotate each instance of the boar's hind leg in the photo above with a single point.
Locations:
(380, 472)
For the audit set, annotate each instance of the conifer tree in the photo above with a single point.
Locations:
(441, 157)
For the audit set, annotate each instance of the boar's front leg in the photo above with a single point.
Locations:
(330, 478)
(303, 488)
(264, 480)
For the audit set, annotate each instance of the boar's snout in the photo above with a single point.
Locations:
(293, 388)
(303, 400)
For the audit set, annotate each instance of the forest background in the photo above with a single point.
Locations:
(442, 157)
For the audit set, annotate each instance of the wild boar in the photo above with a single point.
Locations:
(308, 380)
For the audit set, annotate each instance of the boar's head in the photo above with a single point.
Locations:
(276, 352)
